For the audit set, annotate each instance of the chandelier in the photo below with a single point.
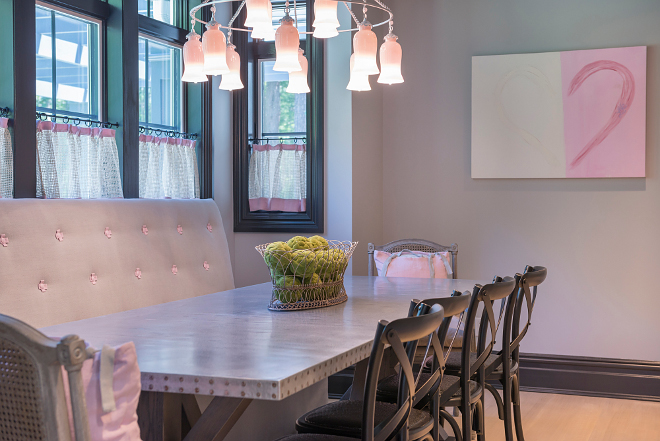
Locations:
(213, 54)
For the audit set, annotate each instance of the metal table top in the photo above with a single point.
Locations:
(230, 344)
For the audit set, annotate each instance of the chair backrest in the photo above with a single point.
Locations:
(31, 384)
(402, 336)
(412, 245)
(452, 306)
(528, 285)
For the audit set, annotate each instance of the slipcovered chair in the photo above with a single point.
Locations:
(31, 385)
(424, 246)
(370, 419)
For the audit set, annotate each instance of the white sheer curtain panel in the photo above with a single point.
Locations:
(77, 162)
(6, 161)
(168, 168)
(278, 178)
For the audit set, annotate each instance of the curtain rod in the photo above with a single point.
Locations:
(43, 116)
(169, 133)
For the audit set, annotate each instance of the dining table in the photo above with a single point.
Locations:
(229, 347)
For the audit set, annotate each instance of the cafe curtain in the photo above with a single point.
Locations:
(77, 162)
(168, 168)
(6, 161)
(278, 178)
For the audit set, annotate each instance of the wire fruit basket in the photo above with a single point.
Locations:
(309, 277)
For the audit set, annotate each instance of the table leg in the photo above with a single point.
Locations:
(159, 416)
(218, 419)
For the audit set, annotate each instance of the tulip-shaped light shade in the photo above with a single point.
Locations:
(265, 31)
(325, 19)
(232, 80)
(390, 61)
(365, 44)
(358, 82)
(215, 47)
(193, 60)
(257, 13)
(287, 43)
(298, 80)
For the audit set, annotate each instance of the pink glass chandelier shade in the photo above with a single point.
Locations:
(259, 13)
(193, 60)
(232, 80)
(287, 43)
(359, 82)
(298, 79)
(325, 19)
(214, 46)
(265, 31)
(390, 61)
(365, 46)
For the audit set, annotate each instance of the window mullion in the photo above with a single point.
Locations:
(53, 60)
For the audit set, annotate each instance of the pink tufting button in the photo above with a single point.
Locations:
(108, 232)
(93, 278)
(42, 286)
(206, 265)
(209, 227)
(174, 270)
(145, 230)
(138, 273)
(179, 228)
(59, 235)
(4, 240)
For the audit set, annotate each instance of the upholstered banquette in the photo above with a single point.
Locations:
(66, 260)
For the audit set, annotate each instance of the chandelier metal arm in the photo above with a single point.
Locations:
(376, 4)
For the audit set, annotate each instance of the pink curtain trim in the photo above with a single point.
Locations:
(82, 131)
(277, 204)
(4, 123)
(268, 147)
(166, 140)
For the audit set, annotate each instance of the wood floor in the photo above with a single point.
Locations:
(549, 417)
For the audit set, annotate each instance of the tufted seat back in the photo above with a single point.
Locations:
(65, 260)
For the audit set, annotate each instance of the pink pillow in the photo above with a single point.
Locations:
(413, 264)
(120, 424)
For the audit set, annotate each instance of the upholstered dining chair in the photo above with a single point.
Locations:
(31, 385)
(430, 383)
(369, 419)
(412, 245)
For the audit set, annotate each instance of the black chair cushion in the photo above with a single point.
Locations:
(453, 363)
(315, 437)
(344, 418)
(388, 388)
(451, 396)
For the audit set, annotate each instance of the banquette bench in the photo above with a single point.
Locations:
(65, 260)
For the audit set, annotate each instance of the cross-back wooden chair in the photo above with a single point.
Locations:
(412, 245)
(429, 383)
(31, 384)
(467, 392)
(372, 420)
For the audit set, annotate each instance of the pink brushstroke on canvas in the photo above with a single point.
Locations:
(604, 125)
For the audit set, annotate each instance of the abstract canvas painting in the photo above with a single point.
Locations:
(575, 114)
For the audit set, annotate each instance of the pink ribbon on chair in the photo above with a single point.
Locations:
(42, 286)
(4, 240)
(179, 228)
(206, 265)
(145, 230)
(59, 235)
(93, 278)
(174, 270)
(209, 227)
(138, 273)
(108, 232)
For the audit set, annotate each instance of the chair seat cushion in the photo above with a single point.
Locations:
(453, 363)
(344, 418)
(315, 437)
(416, 264)
(451, 396)
(388, 388)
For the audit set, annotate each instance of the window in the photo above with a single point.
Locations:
(67, 50)
(278, 136)
(161, 10)
(160, 85)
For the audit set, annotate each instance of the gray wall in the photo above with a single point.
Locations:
(598, 237)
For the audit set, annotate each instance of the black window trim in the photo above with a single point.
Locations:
(311, 221)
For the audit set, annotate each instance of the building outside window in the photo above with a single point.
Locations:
(161, 10)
